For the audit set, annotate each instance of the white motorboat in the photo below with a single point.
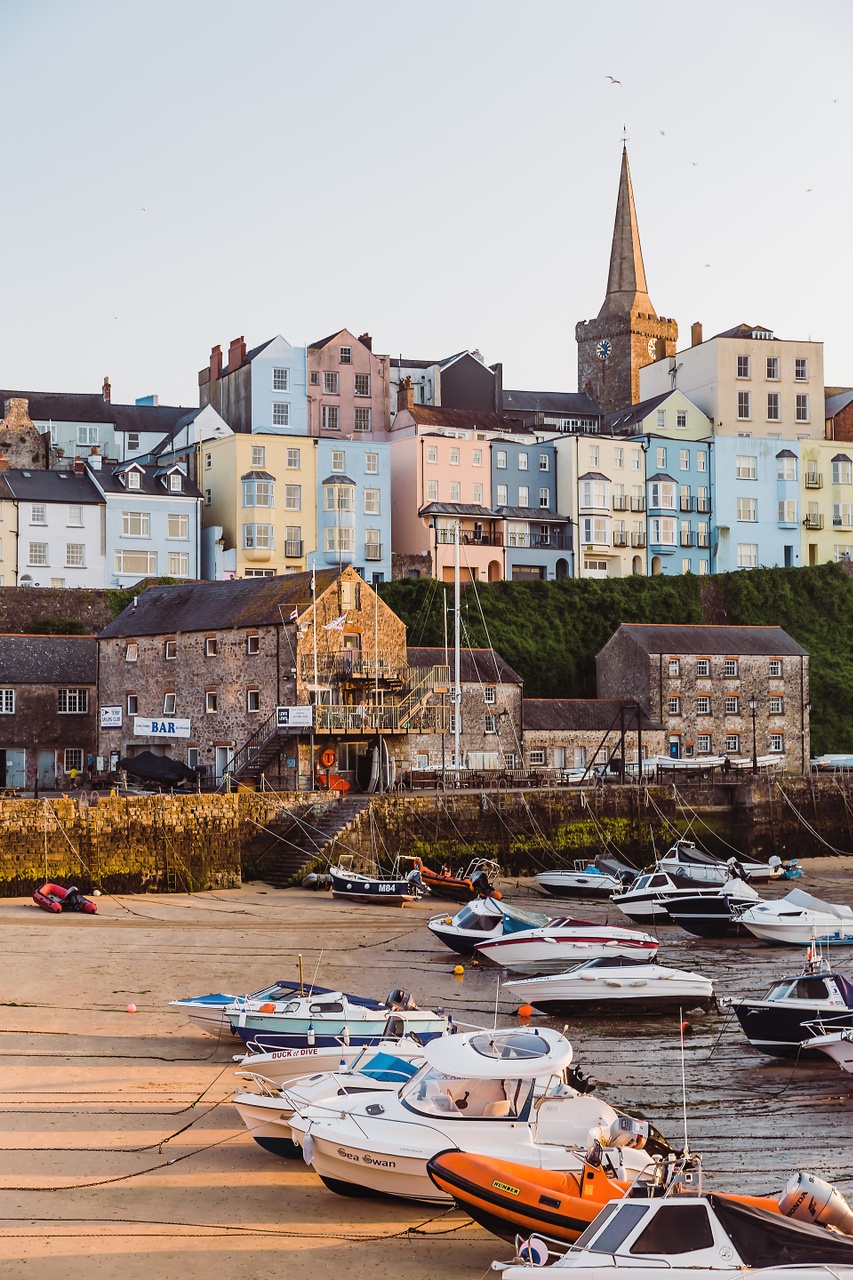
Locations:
(208, 1012)
(266, 1108)
(330, 1018)
(643, 900)
(687, 1235)
(687, 857)
(280, 1067)
(837, 1045)
(798, 919)
(481, 918)
(501, 1093)
(614, 985)
(563, 942)
(585, 879)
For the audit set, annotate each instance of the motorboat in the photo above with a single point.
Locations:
(477, 880)
(280, 1067)
(686, 856)
(554, 947)
(597, 879)
(613, 986)
(208, 1012)
(376, 890)
(266, 1107)
(707, 915)
(798, 919)
(480, 918)
(775, 1022)
(643, 900)
(501, 1093)
(329, 1017)
(837, 1045)
(695, 1236)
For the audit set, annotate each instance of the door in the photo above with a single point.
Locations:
(16, 760)
(47, 770)
(675, 748)
(223, 756)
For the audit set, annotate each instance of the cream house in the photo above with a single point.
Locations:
(602, 485)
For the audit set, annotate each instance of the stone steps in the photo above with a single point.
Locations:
(291, 841)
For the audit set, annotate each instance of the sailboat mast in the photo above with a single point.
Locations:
(457, 652)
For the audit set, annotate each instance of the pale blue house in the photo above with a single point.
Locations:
(536, 538)
(354, 507)
(262, 390)
(153, 521)
(756, 501)
(678, 504)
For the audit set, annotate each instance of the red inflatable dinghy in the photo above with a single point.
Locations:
(52, 897)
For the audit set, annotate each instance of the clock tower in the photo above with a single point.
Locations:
(626, 333)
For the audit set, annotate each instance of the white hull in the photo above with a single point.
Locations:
(623, 990)
(626, 1272)
(837, 1047)
(585, 883)
(800, 935)
(264, 1117)
(555, 952)
(283, 1066)
(212, 1021)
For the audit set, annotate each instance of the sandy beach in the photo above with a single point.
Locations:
(121, 1155)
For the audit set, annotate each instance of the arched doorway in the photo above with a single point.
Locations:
(495, 574)
(657, 565)
(562, 569)
(637, 565)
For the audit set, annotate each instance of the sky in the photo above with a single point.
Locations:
(441, 174)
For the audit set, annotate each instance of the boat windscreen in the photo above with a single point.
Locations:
(767, 1240)
(386, 1067)
(617, 1228)
(527, 919)
(517, 1046)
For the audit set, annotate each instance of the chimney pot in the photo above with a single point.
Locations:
(215, 363)
(696, 334)
(406, 394)
(236, 353)
(107, 390)
(366, 341)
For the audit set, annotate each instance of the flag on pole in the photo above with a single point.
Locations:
(337, 624)
(293, 616)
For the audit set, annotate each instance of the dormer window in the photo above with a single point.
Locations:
(133, 480)
(175, 479)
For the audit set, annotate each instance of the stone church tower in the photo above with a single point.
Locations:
(626, 333)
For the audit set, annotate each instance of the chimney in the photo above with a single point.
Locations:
(696, 334)
(366, 341)
(107, 390)
(78, 466)
(4, 462)
(215, 363)
(406, 395)
(95, 459)
(236, 353)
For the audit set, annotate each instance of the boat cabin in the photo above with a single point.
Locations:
(829, 988)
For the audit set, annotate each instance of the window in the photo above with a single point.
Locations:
(7, 702)
(432, 453)
(208, 497)
(73, 701)
(637, 459)
(131, 653)
(802, 409)
(177, 526)
(331, 384)
(135, 524)
(777, 742)
(314, 378)
(703, 706)
(363, 420)
(662, 532)
(787, 511)
(732, 742)
(178, 564)
(523, 495)
(253, 700)
(170, 650)
(293, 497)
(593, 455)
(594, 493)
(703, 666)
(842, 516)
(674, 667)
(777, 705)
(331, 417)
(338, 497)
(73, 759)
(684, 459)
(253, 645)
(545, 463)
(841, 471)
(132, 704)
(662, 494)
(75, 517)
(340, 538)
(292, 540)
(208, 461)
(661, 419)
(747, 509)
(338, 460)
(490, 724)
(489, 694)
(702, 503)
(170, 702)
(432, 490)
(476, 457)
(87, 435)
(259, 454)
(775, 667)
(501, 491)
(132, 441)
(258, 493)
(801, 369)
(660, 457)
(544, 497)
(773, 414)
(455, 491)
(681, 419)
(176, 482)
(280, 381)
(674, 706)
(732, 706)
(701, 461)
(500, 459)
(618, 459)
(38, 514)
(38, 554)
(294, 459)
(75, 555)
(594, 529)
(537, 756)
(134, 480)
(281, 414)
(345, 355)
(362, 384)
(731, 667)
(675, 1229)
(371, 464)
(522, 462)
(454, 457)
(703, 567)
(743, 366)
(703, 744)
(210, 700)
(786, 468)
(842, 553)
(477, 493)
(744, 405)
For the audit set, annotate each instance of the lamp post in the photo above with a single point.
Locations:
(753, 711)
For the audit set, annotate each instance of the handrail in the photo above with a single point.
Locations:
(262, 734)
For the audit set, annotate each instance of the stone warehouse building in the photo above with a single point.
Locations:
(491, 723)
(47, 708)
(712, 687)
(575, 733)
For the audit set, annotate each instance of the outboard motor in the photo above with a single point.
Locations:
(480, 884)
(579, 1080)
(810, 1199)
(399, 999)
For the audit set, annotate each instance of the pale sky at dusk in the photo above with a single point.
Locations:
(444, 175)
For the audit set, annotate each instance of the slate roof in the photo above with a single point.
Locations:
(570, 714)
(63, 660)
(324, 342)
(710, 639)
(571, 404)
(52, 486)
(834, 404)
(64, 406)
(455, 509)
(401, 363)
(531, 513)
(746, 331)
(622, 419)
(338, 477)
(428, 415)
(476, 666)
(218, 606)
(149, 483)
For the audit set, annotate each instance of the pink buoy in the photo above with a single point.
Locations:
(131, 1008)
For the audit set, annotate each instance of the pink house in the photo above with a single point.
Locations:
(348, 387)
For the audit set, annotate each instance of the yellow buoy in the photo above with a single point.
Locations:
(459, 970)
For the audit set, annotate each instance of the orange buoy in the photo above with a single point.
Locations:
(525, 1011)
(266, 1008)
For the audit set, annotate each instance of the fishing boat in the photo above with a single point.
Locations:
(474, 881)
(644, 902)
(375, 890)
(585, 879)
(687, 857)
(690, 1235)
(475, 1092)
(329, 1017)
(615, 986)
(798, 919)
(208, 1012)
(480, 918)
(775, 1023)
(553, 947)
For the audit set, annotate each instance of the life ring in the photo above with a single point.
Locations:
(328, 758)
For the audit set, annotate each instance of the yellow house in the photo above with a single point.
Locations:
(8, 544)
(826, 502)
(261, 491)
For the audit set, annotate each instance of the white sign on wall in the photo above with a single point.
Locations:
(110, 717)
(295, 717)
(165, 727)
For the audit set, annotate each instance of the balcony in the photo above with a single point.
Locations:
(620, 503)
(345, 717)
(638, 504)
(703, 506)
(349, 665)
(703, 540)
(813, 522)
(539, 542)
(687, 539)
(620, 539)
(373, 550)
(638, 539)
(686, 504)
(293, 549)
(813, 480)
(469, 538)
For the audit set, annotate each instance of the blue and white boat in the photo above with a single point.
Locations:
(331, 1018)
(208, 1012)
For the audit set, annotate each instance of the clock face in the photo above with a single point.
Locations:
(653, 347)
(603, 348)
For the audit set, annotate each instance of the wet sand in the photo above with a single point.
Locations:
(120, 1154)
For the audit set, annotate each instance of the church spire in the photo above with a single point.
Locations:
(626, 282)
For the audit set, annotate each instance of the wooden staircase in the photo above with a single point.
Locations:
(293, 838)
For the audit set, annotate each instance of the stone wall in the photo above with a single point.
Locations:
(26, 610)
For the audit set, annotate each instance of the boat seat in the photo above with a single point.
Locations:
(444, 1102)
(496, 1108)
(479, 1095)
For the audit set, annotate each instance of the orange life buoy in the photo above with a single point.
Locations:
(328, 758)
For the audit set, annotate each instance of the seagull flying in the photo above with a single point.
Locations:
(613, 81)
